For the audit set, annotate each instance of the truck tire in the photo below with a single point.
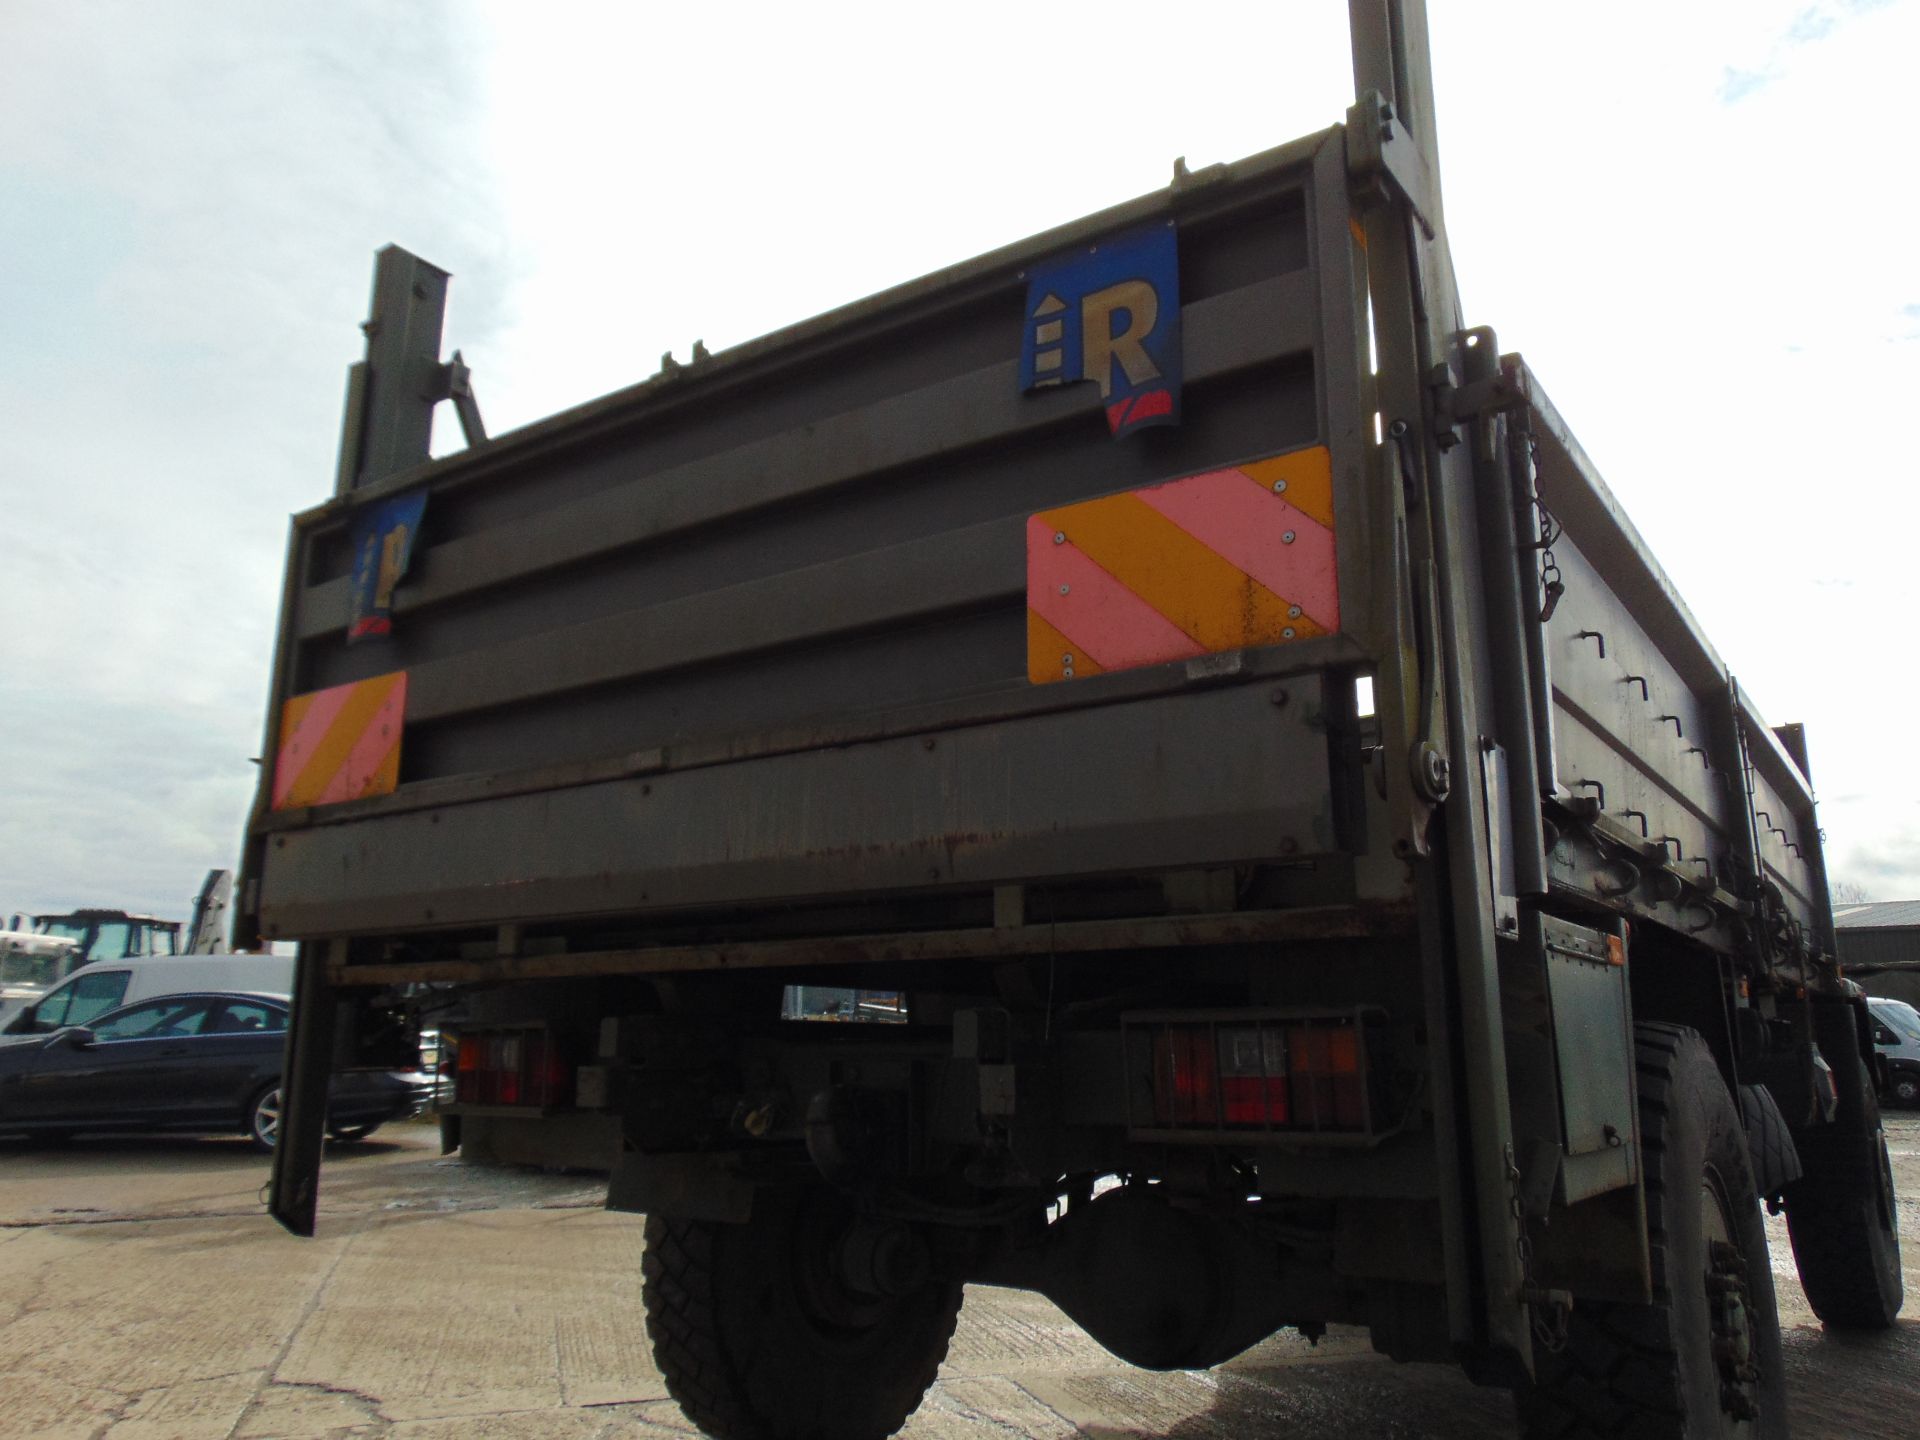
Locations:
(1845, 1225)
(1704, 1358)
(1905, 1088)
(757, 1340)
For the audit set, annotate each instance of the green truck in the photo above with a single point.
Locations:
(1320, 871)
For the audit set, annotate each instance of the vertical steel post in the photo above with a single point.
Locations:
(404, 376)
(387, 429)
(1512, 592)
(1418, 341)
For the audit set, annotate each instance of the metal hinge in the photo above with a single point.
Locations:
(1455, 405)
(1382, 157)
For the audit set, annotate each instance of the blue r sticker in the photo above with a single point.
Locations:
(382, 548)
(1110, 314)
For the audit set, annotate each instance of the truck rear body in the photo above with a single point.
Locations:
(1297, 805)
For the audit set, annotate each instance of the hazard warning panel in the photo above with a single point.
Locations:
(340, 744)
(1220, 561)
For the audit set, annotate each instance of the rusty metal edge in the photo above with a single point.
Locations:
(1016, 702)
(1075, 937)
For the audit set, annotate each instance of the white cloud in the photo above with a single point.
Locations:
(187, 212)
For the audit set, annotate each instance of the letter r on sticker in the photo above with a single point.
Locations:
(1100, 347)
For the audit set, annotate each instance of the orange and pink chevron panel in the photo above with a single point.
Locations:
(1220, 561)
(341, 743)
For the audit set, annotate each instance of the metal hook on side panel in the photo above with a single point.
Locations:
(1631, 872)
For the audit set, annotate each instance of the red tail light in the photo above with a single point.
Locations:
(503, 1068)
(1325, 1067)
(1253, 1067)
(521, 1067)
(1185, 1078)
(1274, 1072)
(466, 1086)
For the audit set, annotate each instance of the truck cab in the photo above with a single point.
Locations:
(99, 934)
(31, 964)
(37, 952)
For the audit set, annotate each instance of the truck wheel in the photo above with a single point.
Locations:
(1704, 1358)
(1846, 1229)
(1906, 1088)
(759, 1339)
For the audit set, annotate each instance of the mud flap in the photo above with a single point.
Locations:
(308, 1064)
(1776, 1160)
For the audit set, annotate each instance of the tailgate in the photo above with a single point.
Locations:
(783, 624)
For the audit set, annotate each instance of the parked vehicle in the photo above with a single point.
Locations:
(31, 964)
(61, 943)
(95, 989)
(1896, 1035)
(39, 950)
(208, 1062)
(105, 934)
(1319, 815)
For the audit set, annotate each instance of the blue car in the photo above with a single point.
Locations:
(205, 1062)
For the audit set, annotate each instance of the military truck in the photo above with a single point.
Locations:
(1328, 875)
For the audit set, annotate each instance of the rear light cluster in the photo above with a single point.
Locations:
(510, 1067)
(1237, 1072)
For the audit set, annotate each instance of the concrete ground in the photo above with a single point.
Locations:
(144, 1295)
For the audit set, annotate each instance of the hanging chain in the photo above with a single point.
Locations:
(1552, 586)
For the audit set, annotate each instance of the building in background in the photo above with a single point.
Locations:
(1879, 946)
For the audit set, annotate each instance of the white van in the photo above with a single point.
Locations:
(94, 989)
(1896, 1035)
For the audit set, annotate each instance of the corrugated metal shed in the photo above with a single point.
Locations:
(1877, 915)
(1879, 945)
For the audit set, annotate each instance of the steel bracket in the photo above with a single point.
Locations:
(1456, 404)
(454, 381)
(1384, 160)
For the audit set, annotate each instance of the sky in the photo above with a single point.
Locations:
(1697, 221)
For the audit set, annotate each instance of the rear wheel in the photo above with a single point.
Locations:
(1845, 1228)
(1704, 1358)
(760, 1336)
(263, 1118)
